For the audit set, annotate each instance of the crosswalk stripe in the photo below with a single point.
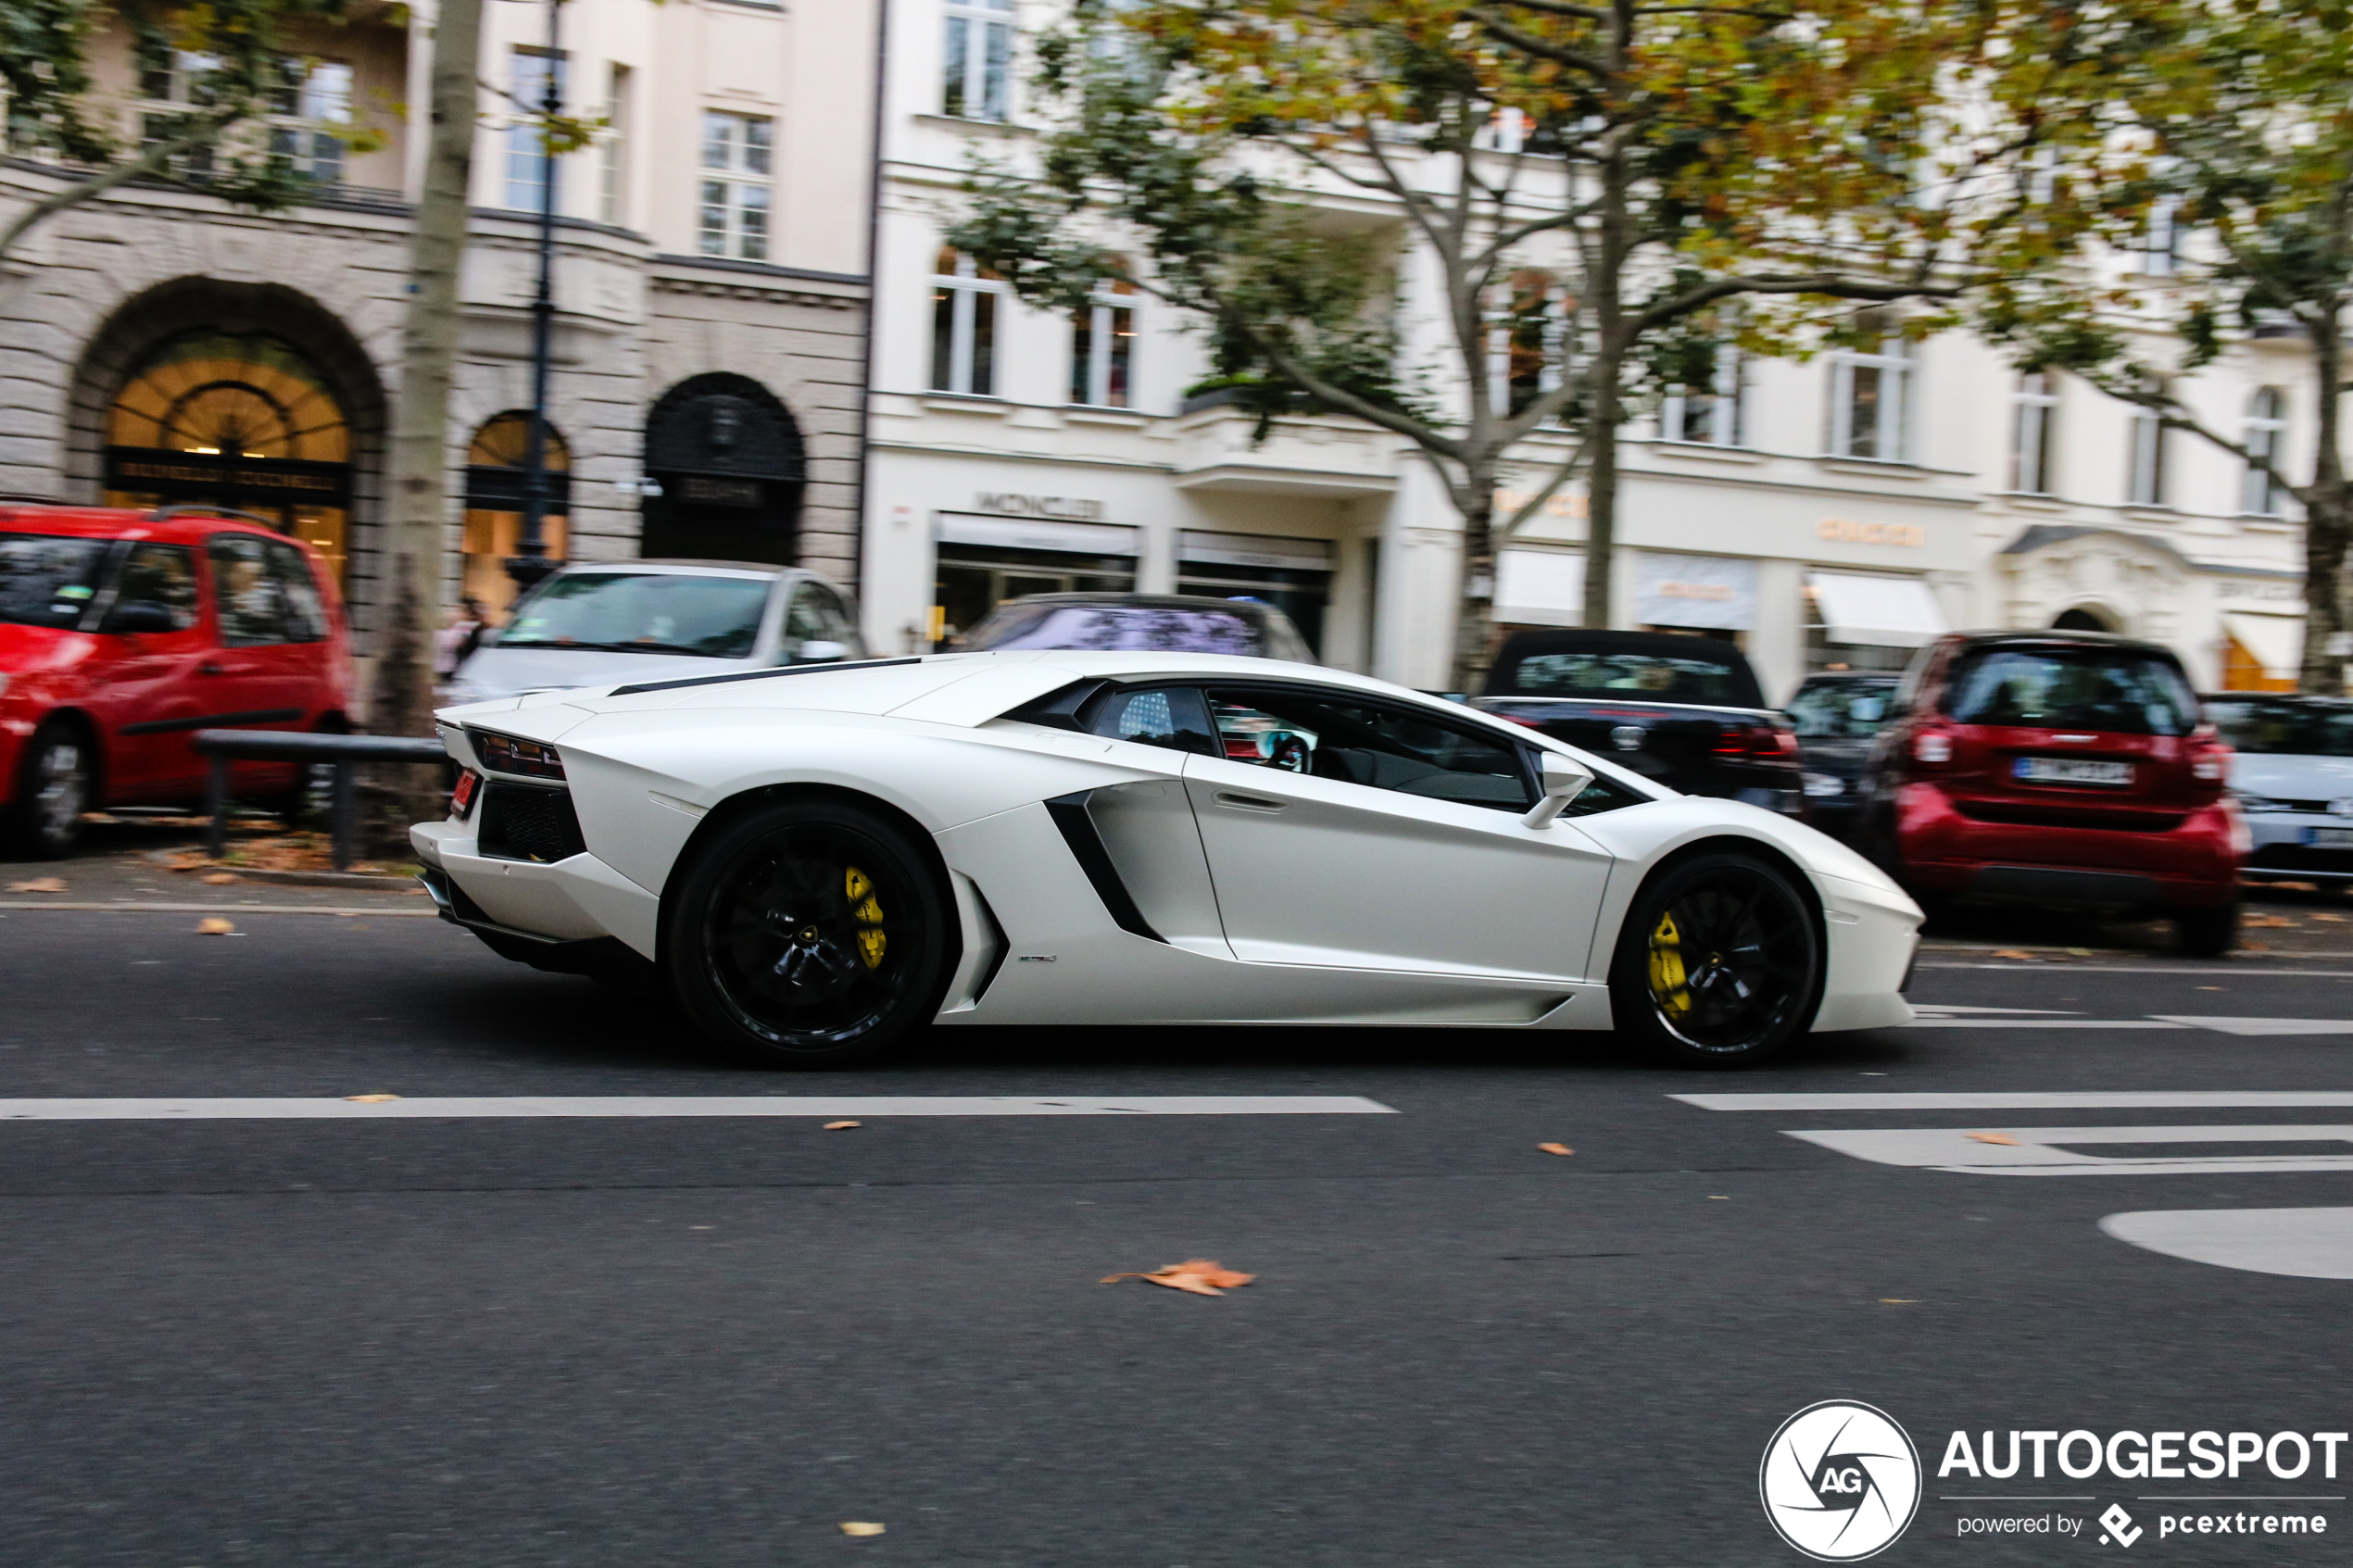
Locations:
(2024, 1099)
(2307, 1243)
(2056, 1152)
(426, 1108)
(2263, 1026)
(1932, 1021)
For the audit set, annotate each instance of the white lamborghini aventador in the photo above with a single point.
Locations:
(814, 860)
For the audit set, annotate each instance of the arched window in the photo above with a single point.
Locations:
(241, 421)
(2262, 494)
(1102, 348)
(496, 471)
(963, 324)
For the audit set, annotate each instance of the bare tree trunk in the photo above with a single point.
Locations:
(1475, 619)
(2328, 519)
(1609, 370)
(401, 699)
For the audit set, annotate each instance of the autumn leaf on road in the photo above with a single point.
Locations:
(1201, 1276)
(38, 884)
(860, 1527)
(213, 926)
(1555, 1149)
(2268, 922)
(372, 1100)
(2012, 953)
(1994, 1137)
(840, 1126)
(219, 879)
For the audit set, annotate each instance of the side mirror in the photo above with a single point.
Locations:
(1565, 779)
(142, 615)
(817, 650)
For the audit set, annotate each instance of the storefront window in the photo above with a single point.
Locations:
(971, 580)
(496, 474)
(1293, 575)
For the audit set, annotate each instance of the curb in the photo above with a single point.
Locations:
(294, 879)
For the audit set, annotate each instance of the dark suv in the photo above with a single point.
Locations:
(2060, 767)
(1684, 710)
(1837, 717)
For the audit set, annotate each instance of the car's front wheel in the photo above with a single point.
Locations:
(2208, 933)
(809, 935)
(55, 785)
(1719, 964)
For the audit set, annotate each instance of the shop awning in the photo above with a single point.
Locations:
(1894, 612)
(2276, 641)
(1540, 587)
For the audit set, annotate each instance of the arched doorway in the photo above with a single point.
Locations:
(243, 420)
(496, 471)
(727, 458)
(2079, 620)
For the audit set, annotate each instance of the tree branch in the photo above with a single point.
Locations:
(1527, 43)
(1835, 285)
(152, 161)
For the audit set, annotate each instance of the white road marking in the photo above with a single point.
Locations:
(1940, 1008)
(687, 1104)
(2307, 1243)
(2023, 1099)
(428, 912)
(2264, 1025)
(2234, 970)
(2042, 1151)
(1933, 1022)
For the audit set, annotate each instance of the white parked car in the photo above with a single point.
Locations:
(593, 623)
(815, 860)
(2292, 773)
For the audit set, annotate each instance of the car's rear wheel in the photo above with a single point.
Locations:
(2209, 934)
(1719, 964)
(809, 935)
(55, 782)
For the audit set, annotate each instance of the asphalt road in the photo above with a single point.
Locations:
(638, 1339)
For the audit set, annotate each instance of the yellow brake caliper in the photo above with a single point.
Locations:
(867, 910)
(1669, 984)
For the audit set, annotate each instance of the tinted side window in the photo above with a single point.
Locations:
(158, 574)
(306, 616)
(250, 601)
(1365, 744)
(1173, 717)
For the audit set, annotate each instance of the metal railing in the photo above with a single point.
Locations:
(344, 752)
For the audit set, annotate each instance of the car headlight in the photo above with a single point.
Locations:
(1822, 786)
(509, 754)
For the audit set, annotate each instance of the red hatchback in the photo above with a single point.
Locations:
(2062, 768)
(123, 632)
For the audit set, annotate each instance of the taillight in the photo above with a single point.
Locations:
(1933, 746)
(2210, 760)
(1756, 743)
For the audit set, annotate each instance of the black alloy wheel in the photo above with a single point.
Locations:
(1719, 964)
(55, 785)
(809, 935)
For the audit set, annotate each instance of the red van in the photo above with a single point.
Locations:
(2061, 768)
(122, 632)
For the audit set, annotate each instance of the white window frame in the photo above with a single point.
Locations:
(613, 148)
(1727, 394)
(317, 98)
(2264, 434)
(181, 77)
(1892, 437)
(969, 298)
(734, 210)
(976, 60)
(529, 165)
(2034, 406)
(2159, 254)
(2144, 474)
(1091, 382)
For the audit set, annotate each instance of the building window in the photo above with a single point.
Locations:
(1528, 328)
(978, 62)
(528, 166)
(2144, 481)
(2266, 436)
(1871, 397)
(964, 325)
(1714, 416)
(311, 102)
(2159, 254)
(736, 157)
(172, 82)
(2033, 419)
(613, 152)
(1102, 348)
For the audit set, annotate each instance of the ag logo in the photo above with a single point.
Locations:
(1841, 1481)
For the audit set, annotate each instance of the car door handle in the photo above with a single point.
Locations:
(209, 667)
(1240, 802)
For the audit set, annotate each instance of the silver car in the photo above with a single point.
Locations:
(605, 622)
(2293, 774)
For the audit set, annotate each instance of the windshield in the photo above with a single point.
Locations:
(1841, 712)
(2096, 689)
(47, 579)
(2283, 729)
(1116, 628)
(641, 612)
(1632, 677)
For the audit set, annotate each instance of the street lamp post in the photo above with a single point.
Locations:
(532, 563)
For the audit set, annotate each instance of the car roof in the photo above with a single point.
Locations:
(168, 524)
(2056, 638)
(676, 567)
(1141, 601)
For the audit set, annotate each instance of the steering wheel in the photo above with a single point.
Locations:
(1290, 754)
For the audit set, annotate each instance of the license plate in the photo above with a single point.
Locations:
(2329, 838)
(462, 799)
(2071, 770)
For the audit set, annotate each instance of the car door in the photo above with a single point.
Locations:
(1151, 845)
(153, 640)
(260, 677)
(1341, 830)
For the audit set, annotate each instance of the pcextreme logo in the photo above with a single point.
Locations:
(1841, 1481)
